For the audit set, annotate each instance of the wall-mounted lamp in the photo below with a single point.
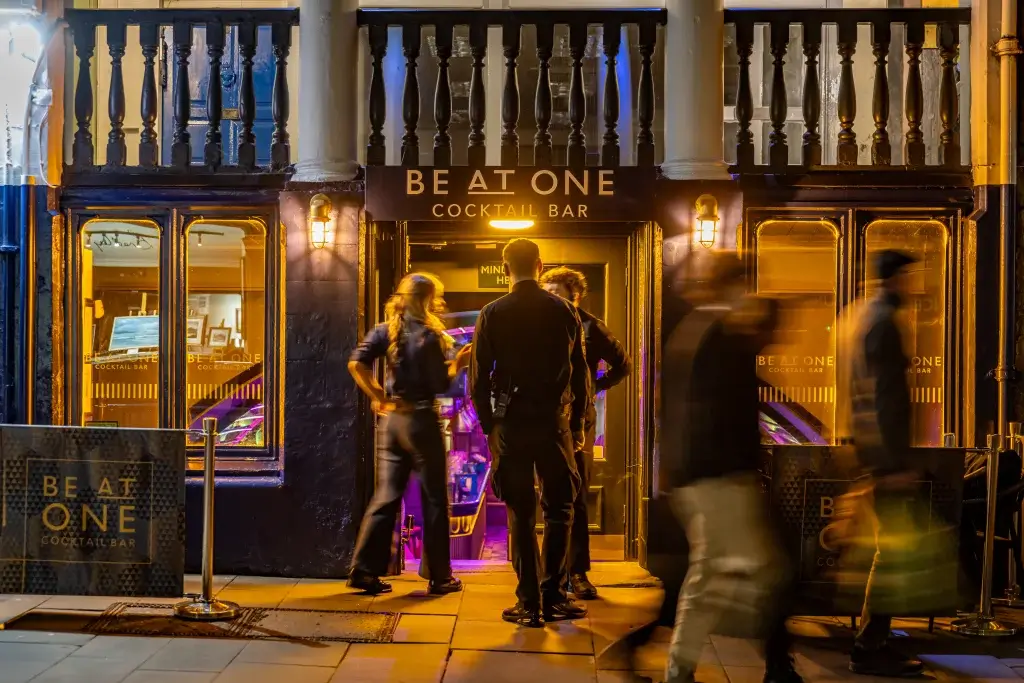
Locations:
(319, 221)
(705, 227)
(512, 224)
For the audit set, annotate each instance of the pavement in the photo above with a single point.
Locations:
(458, 638)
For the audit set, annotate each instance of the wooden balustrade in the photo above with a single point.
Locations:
(511, 24)
(914, 25)
(241, 31)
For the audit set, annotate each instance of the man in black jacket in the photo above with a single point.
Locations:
(601, 345)
(708, 466)
(529, 383)
(880, 406)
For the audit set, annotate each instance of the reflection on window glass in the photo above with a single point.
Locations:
(797, 262)
(224, 333)
(922, 319)
(120, 323)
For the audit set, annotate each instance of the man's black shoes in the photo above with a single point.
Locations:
(581, 587)
(884, 662)
(371, 585)
(522, 615)
(563, 610)
(449, 585)
(783, 673)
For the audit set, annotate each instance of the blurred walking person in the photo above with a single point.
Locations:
(880, 422)
(709, 458)
(601, 345)
(529, 383)
(413, 343)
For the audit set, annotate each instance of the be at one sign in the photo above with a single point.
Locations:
(540, 194)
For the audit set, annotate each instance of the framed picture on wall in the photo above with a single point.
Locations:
(196, 330)
(219, 337)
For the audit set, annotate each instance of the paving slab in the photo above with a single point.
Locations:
(305, 653)
(564, 637)
(252, 672)
(392, 663)
(195, 655)
(424, 628)
(468, 666)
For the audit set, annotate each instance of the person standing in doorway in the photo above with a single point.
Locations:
(529, 383)
(880, 420)
(601, 345)
(413, 342)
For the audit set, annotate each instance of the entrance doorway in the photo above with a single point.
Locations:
(623, 281)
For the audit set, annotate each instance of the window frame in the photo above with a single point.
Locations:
(173, 224)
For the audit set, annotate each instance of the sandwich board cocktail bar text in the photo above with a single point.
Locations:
(539, 194)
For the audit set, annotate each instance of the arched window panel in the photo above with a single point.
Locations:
(797, 263)
(923, 317)
(119, 305)
(225, 331)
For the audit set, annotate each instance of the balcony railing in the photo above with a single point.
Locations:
(939, 29)
(224, 125)
(446, 41)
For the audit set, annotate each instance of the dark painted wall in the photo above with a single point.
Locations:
(304, 525)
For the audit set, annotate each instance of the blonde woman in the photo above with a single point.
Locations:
(414, 345)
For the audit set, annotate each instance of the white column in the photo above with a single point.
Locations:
(695, 90)
(328, 91)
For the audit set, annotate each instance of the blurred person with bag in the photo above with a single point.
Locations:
(709, 459)
(880, 415)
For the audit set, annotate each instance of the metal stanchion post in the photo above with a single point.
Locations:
(983, 623)
(1012, 597)
(949, 440)
(205, 607)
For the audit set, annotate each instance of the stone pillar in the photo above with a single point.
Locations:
(695, 102)
(328, 92)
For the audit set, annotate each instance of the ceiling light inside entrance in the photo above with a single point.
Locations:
(521, 224)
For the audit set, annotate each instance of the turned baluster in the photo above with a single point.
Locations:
(610, 153)
(85, 45)
(778, 109)
(376, 150)
(149, 151)
(744, 96)
(181, 144)
(212, 152)
(443, 97)
(914, 149)
(645, 96)
(811, 151)
(542, 101)
(117, 151)
(247, 96)
(280, 140)
(477, 98)
(411, 95)
(846, 148)
(510, 41)
(576, 154)
(881, 148)
(949, 104)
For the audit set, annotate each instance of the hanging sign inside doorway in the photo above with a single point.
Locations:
(491, 275)
(538, 194)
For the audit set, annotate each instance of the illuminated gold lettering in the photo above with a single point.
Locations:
(470, 207)
(536, 188)
(49, 486)
(504, 173)
(582, 187)
(125, 518)
(414, 182)
(126, 485)
(567, 212)
(437, 210)
(605, 183)
(581, 211)
(552, 210)
(827, 508)
(440, 181)
(46, 517)
(485, 211)
(454, 210)
(105, 489)
(478, 182)
(70, 487)
(87, 513)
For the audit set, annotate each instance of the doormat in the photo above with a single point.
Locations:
(253, 623)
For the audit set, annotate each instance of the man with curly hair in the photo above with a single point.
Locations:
(601, 345)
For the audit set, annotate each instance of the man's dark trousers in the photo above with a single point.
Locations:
(579, 541)
(543, 446)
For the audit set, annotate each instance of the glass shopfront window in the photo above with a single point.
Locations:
(120, 323)
(797, 262)
(226, 330)
(923, 317)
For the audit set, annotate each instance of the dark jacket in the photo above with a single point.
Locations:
(530, 344)
(710, 404)
(421, 372)
(880, 396)
(602, 345)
